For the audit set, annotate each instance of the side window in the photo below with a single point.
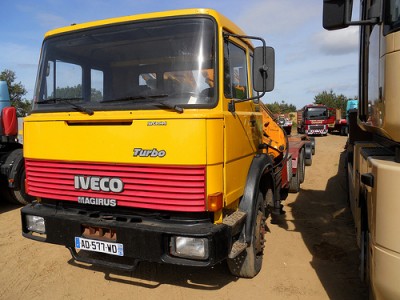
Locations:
(235, 72)
(49, 90)
(97, 85)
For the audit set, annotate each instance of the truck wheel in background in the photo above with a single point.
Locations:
(21, 196)
(312, 139)
(294, 185)
(302, 168)
(6, 194)
(343, 131)
(248, 263)
(308, 154)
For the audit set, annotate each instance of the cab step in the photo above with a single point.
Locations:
(237, 248)
(235, 221)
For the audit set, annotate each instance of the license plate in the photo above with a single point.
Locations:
(99, 246)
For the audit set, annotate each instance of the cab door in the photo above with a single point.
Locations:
(243, 126)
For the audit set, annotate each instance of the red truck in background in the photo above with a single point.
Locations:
(312, 119)
(336, 121)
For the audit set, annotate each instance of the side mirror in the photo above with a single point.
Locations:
(337, 14)
(264, 69)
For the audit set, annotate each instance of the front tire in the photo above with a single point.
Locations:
(248, 263)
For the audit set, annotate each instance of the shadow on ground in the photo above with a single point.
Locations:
(324, 220)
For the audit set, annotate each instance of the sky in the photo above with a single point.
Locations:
(309, 59)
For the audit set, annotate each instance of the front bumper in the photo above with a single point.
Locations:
(313, 129)
(144, 238)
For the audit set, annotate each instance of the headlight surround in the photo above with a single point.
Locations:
(189, 247)
(35, 224)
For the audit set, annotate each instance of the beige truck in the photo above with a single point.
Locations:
(374, 141)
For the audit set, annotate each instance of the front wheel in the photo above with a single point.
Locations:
(248, 263)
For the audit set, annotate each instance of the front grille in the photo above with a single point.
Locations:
(316, 127)
(173, 188)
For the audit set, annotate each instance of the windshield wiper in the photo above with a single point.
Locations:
(141, 97)
(68, 101)
(174, 107)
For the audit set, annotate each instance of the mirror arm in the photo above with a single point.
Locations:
(371, 21)
(227, 35)
(263, 69)
(231, 104)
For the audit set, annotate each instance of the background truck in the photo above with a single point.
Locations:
(339, 121)
(285, 123)
(12, 171)
(312, 119)
(147, 141)
(373, 150)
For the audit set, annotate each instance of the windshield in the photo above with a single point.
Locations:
(316, 113)
(164, 64)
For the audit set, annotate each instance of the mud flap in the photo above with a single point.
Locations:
(260, 165)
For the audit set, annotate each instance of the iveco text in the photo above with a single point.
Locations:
(94, 183)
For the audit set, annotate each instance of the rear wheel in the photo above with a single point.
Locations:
(294, 184)
(248, 263)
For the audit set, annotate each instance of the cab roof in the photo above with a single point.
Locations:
(221, 20)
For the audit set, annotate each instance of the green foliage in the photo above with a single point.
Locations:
(281, 108)
(68, 92)
(17, 91)
(332, 100)
(76, 92)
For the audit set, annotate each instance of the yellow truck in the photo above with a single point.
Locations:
(374, 141)
(147, 141)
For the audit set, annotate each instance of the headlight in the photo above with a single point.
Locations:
(188, 247)
(35, 224)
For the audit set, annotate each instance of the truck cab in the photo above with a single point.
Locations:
(312, 119)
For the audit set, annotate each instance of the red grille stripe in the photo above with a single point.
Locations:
(162, 188)
(113, 167)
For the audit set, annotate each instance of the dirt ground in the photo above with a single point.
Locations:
(310, 254)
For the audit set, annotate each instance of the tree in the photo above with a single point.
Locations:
(330, 99)
(281, 108)
(17, 91)
(76, 92)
